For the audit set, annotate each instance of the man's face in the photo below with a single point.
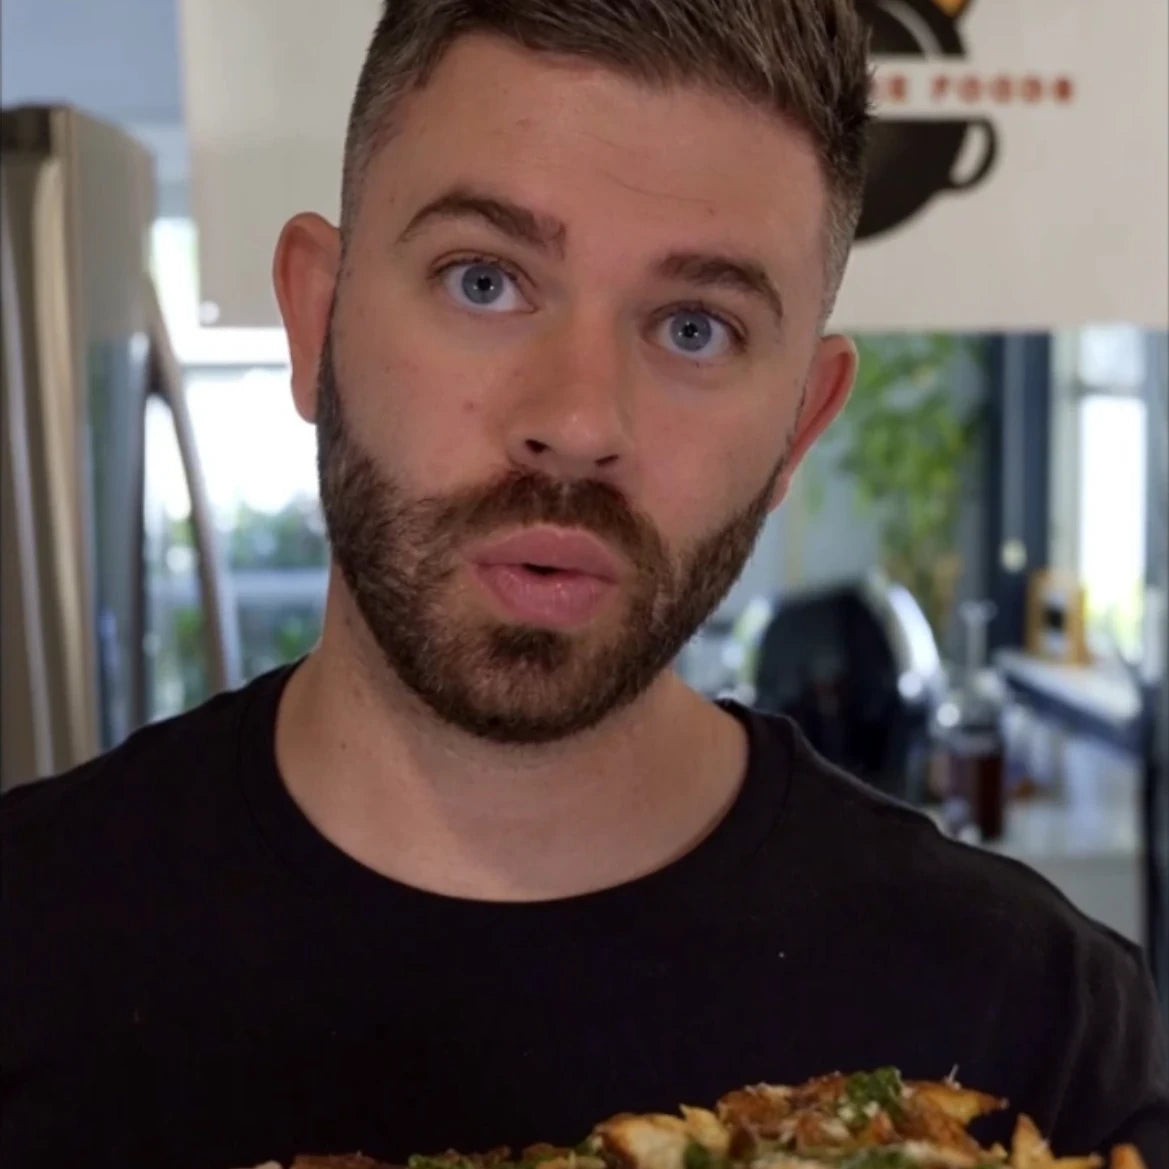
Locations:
(571, 360)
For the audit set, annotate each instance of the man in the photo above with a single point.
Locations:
(481, 869)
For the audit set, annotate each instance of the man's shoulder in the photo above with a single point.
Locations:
(158, 773)
(895, 861)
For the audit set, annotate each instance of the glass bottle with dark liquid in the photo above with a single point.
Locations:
(967, 726)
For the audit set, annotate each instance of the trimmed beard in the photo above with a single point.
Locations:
(511, 683)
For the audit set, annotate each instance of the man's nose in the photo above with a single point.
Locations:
(573, 416)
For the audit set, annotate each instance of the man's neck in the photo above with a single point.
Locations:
(428, 805)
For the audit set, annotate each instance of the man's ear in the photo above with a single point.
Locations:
(304, 272)
(828, 386)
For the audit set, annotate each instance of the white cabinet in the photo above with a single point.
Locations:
(267, 86)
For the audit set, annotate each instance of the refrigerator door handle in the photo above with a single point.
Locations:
(26, 550)
(220, 621)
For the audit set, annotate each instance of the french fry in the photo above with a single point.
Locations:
(1030, 1151)
(963, 1104)
(1126, 1157)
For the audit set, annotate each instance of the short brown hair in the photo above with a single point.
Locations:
(806, 60)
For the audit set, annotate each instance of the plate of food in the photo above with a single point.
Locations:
(866, 1120)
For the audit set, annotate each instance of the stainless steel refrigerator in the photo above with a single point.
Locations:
(84, 348)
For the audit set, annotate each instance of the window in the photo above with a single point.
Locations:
(1100, 489)
(1111, 533)
(270, 530)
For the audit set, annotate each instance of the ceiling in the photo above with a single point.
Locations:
(118, 59)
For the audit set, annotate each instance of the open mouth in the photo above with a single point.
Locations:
(547, 576)
(538, 595)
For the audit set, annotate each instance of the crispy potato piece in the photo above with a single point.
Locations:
(963, 1104)
(816, 1128)
(1030, 1151)
(553, 1157)
(786, 1161)
(763, 1104)
(926, 1153)
(559, 1157)
(651, 1141)
(760, 1107)
(1092, 1161)
(923, 1120)
(1028, 1148)
(660, 1142)
(879, 1130)
(822, 1092)
(353, 1161)
(1126, 1157)
(706, 1128)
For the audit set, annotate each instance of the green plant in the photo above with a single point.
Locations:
(293, 537)
(906, 442)
(271, 630)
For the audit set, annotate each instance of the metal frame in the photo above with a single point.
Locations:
(1018, 476)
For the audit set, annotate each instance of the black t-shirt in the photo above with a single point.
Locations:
(194, 978)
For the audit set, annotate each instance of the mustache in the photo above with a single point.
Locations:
(525, 497)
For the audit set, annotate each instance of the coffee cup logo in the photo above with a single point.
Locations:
(911, 160)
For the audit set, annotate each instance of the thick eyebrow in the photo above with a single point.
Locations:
(718, 271)
(519, 223)
(548, 234)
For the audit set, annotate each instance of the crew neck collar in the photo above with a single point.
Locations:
(323, 869)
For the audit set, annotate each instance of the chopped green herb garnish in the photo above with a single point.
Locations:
(698, 1157)
(882, 1087)
(877, 1158)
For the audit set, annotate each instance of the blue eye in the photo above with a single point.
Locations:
(697, 333)
(482, 285)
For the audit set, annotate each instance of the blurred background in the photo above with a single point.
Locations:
(964, 598)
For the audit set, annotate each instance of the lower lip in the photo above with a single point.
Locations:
(560, 600)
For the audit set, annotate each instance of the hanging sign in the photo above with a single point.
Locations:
(1019, 165)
